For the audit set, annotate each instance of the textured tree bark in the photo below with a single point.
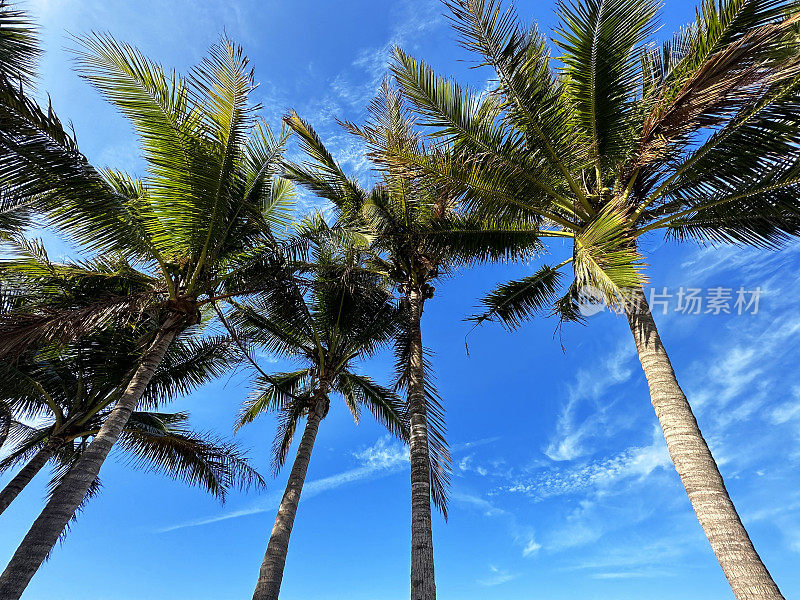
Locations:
(69, 494)
(423, 582)
(271, 574)
(746, 573)
(25, 475)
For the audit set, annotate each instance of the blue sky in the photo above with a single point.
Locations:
(562, 487)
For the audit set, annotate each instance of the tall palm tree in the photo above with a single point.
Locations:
(326, 319)
(194, 230)
(65, 394)
(697, 138)
(415, 238)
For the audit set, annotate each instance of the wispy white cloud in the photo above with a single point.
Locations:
(531, 548)
(788, 410)
(497, 576)
(383, 458)
(631, 574)
(477, 502)
(467, 464)
(590, 385)
(637, 462)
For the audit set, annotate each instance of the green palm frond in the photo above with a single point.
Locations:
(600, 40)
(42, 167)
(279, 208)
(23, 441)
(382, 402)
(273, 395)
(459, 115)
(322, 174)
(605, 256)
(60, 302)
(6, 419)
(19, 43)
(533, 95)
(467, 239)
(157, 103)
(514, 302)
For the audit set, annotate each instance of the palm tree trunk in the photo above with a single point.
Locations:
(69, 494)
(747, 575)
(26, 474)
(423, 582)
(271, 574)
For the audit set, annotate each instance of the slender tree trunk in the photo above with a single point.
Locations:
(26, 474)
(69, 494)
(423, 582)
(271, 574)
(747, 575)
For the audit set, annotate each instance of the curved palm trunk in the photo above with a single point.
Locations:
(26, 474)
(747, 575)
(271, 574)
(69, 494)
(423, 582)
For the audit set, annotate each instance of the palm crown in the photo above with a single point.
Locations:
(328, 314)
(201, 216)
(412, 232)
(618, 138)
(61, 395)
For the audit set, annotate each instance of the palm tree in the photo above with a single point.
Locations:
(326, 318)
(194, 230)
(698, 138)
(67, 393)
(415, 238)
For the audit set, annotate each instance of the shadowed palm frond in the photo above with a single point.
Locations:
(273, 396)
(19, 43)
(189, 363)
(438, 450)
(197, 459)
(515, 302)
(382, 402)
(288, 416)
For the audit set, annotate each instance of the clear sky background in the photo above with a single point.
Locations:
(562, 486)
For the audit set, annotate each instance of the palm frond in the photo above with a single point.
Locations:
(19, 43)
(42, 167)
(514, 302)
(438, 450)
(600, 40)
(197, 459)
(275, 395)
(605, 257)
(322, 174)
(382, 402)
(288, 417)
(188, 363)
